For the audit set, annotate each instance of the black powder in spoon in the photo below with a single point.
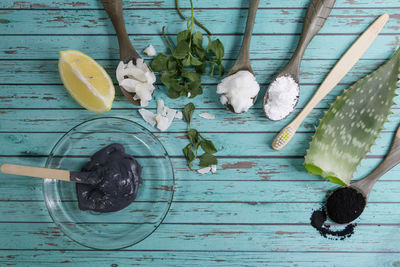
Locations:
(345, 205)
(318, 219)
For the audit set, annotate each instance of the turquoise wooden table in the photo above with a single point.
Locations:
(256, 209)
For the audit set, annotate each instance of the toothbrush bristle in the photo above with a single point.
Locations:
(283, 138)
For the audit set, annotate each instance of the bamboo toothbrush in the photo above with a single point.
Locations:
(342, 67)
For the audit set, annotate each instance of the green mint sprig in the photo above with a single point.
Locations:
(196, 141)
(181, 70)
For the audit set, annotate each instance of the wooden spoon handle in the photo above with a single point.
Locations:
(392, 159)
(44, 173)
(115, 12)
(317, 13)
(243, 60)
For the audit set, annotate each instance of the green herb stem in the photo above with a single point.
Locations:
(166, 39)
(194, 19)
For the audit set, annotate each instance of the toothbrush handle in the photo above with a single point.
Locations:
(342, 67)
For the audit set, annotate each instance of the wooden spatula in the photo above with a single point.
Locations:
(47, 173)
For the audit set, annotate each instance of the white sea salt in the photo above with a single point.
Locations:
(150, 51)
(239, 90)
(282, 97)
(206, 115)
(138, 79)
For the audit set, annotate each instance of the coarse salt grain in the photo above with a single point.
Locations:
(239, 90)
(283, 94)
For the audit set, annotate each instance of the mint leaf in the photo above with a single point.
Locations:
(188, 152)
(194, 138)
(208, 146)
(160, 62)
(217, 48)
(181, 50)
(207, 160)
(188, 111)
(198, 39)
(173, 94)
(186, 61)
(193, 76)
(183, 36)
(194, 61)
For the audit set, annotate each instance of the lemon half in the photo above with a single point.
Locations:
(86, 81)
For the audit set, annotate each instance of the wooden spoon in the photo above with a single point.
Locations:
(47, 173)
(126, 50)
(317, 13)
(243, 60)
(364, 186)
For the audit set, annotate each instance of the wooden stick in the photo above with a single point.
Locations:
(44, 173)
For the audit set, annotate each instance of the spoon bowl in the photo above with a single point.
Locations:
(358, 192)
(317, 13)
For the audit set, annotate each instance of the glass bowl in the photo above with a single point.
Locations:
(128, 226)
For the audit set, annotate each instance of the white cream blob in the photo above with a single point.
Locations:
(138, 79)
(239, 90)
(282, 97)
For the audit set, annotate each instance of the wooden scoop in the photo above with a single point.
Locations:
(364, 185)
(126, 50)
(243, 60)
(47, 173)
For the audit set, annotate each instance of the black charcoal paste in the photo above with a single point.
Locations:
(119, 178)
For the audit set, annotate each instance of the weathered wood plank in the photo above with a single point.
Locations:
(209, 213)
(297, 238)
(224, 4)
(263, 47)
(198, 258)
(232, 169)
(253, 121)
(23, 188)
(31, 144)
(271, 21)
(56, 97)
(313, 71)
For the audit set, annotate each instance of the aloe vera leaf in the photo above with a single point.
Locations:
(352, 124)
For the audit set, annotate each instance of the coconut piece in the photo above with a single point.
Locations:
(165, 115)
(204, 170)
(119, 71)
(213, 168)
(179, 115)
(130, 85)
(150, 51)
(148, 116)
(207, 116)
